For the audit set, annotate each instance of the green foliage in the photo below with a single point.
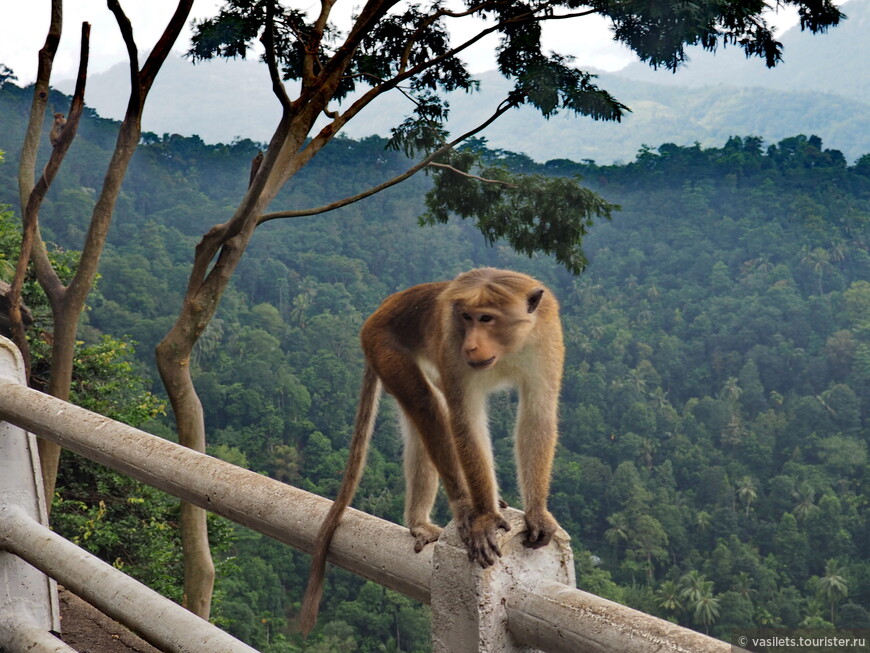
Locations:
(128, 524)
(411, 49)
(532, 213)
(105, 382)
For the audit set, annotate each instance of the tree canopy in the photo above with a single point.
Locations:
(393, 46)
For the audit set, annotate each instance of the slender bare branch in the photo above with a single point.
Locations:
(30, 147)
(30, 216)
(164, 44)
(427, 161)
(132, 51)
(313, 42)
(439, 13)
(268, 41)
(394, 82)
(467, 175)
(125, 146)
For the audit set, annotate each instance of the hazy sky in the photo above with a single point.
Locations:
(24, 24)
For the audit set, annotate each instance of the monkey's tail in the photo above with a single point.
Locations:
(367, 411)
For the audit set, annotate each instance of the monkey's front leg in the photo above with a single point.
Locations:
(535, 447)
(479, 521)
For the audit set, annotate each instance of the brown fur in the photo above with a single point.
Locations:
(440, 349)
(57, 129)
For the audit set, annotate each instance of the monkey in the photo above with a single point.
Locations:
(440, 349)
(57, 129)
(256, 162)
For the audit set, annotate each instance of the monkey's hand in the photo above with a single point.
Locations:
(481, 540)
(541, 526)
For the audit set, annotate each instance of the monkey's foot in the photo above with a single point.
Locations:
(424, 534)
(481, 542)
(541, 526)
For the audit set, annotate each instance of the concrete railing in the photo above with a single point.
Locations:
(526, 602)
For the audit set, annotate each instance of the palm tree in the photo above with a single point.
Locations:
(747, 492)
(731, 391)
(636, 381)
(743, 585)
(706, 607)
(285, 463)
(692, 586)
(702, 520)
(648, 449)
(668, 595)
(833, 586)
(806, 496)
(209, 341)
(649, 540)
(618, 531)
(818, 260)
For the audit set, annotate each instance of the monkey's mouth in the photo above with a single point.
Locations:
(479, 365)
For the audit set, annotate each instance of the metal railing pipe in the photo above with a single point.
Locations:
(158, 620)
(558, 618)
(370, 547)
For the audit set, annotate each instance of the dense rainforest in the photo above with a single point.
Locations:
(713, 464)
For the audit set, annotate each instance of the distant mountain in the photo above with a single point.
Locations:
(837, 63)
(662, 114)
(822, 88)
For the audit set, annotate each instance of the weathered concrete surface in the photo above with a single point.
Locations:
(19, 637)
(374, 548)
(469, 611)
(26, 595)
(555, 617)
(163, 623)
(87, 629)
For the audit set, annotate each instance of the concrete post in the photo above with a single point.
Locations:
(469, 603)
(27, 596)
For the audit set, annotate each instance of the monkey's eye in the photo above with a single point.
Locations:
(466, 316)
(486, 318)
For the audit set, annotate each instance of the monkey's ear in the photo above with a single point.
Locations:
(534, 299)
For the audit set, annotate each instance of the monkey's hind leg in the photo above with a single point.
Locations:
(421, 486)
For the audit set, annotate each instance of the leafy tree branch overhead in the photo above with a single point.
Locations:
(394, 46)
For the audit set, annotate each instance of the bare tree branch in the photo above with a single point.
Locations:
(27, 160)
(164, 44)
(132, 51)
(268, 41)
(30, 216)
(439, 13)
(467, 175)
(428, 160)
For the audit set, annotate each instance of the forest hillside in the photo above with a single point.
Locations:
(713, 463)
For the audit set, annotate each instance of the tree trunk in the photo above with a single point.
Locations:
(173, 361)
(62, 353)
(173, 356)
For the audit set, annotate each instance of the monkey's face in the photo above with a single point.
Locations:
(487, 334)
